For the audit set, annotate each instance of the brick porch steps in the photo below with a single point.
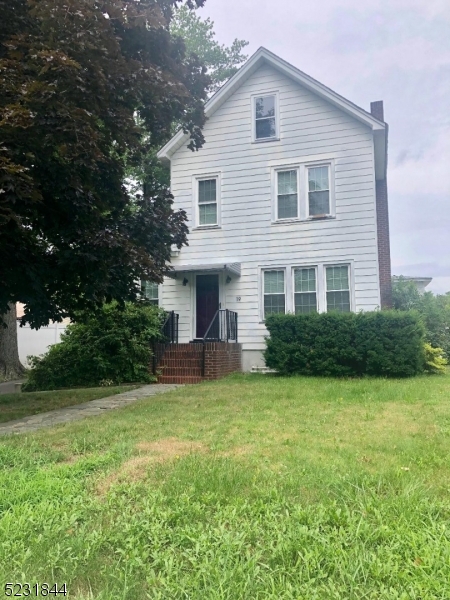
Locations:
(180, 380)
(183, 363)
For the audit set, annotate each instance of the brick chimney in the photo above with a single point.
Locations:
(377, 110)
(384, 248)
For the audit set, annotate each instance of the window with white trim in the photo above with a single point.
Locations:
(305, 290)
(287, 194)
(319, 191)
(265, 117)
(303, 191)
(338, 288)
(207, 201)
(150, 291)
(274, 292)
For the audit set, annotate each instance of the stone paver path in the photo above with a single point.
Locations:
(80, 411)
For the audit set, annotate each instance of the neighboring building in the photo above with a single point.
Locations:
(35, 342)
(420, 282)
(287, 205)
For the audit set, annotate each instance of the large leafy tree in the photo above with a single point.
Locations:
(83, 83)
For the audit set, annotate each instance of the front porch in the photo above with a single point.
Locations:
(210, 357)
(194, 362)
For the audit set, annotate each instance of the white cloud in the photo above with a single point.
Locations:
(428, 174)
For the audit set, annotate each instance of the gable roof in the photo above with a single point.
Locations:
(264, 57)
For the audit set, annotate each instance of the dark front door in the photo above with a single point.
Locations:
(207, 301)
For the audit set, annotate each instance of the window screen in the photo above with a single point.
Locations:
(265, 120)
(305, 291)
(338, 288)
(207, 201)
(274, 296)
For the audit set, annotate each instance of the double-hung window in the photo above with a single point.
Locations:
(274, 293)
(303, 191)
(265, 117)
(305, 290)
(150, 291)
(287, 194)
(207, 202)
(319, 191)
(338, 288)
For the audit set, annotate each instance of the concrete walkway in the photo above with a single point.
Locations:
(81, 411)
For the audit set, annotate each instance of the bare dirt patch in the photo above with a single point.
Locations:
(70, 460)
(169, 448)
(136, 468)
(238, 451)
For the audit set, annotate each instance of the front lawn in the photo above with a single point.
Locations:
(253, 487)
(17, 406)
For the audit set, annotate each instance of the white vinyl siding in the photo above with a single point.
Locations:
(312, 133)
(274, 293)
(338, 288)
(305, 290)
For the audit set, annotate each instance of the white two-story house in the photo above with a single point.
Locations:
(287, 205)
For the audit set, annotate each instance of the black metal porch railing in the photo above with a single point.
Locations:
(169, 335)
(223, 327)
(170, 328)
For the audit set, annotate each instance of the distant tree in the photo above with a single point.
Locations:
(86, 87)
(405, 295)
(221, 61)
(434, 310)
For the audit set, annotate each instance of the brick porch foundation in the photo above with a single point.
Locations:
(183, 363)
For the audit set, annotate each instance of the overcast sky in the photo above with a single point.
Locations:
(392, 50)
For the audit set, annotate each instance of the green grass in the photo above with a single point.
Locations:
(253, 487)
(17, 406)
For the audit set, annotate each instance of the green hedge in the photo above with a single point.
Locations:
(109, 347)
(381, 343)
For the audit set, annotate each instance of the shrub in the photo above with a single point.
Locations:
(113, 345)
(387, 343)
(435, 361)
(434, 311)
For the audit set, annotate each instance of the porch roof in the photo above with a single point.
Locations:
(230, 268)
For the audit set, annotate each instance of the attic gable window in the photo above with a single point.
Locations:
(265, 117)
